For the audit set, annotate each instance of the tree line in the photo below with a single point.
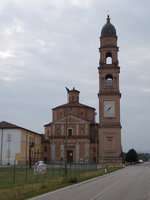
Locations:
(133, 157)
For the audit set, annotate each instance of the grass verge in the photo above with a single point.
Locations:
(27, 190)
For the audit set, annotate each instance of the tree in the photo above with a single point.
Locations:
(123, 156)
(132, 156)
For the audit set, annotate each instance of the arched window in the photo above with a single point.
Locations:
(48, 134)
(45, 148)
(72, 98)
(70, 132)
(57, 131)
(82, 131)
(109, 80)
(60, 114)
(108, 58)
(81, 114)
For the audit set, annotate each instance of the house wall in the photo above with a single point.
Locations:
(15, 145)
(10, 145)
(28, 137)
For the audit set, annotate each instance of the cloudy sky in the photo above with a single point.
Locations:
(46, 45)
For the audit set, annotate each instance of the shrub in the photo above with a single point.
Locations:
(73, 179)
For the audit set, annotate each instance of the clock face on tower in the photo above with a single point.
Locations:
(109, 108)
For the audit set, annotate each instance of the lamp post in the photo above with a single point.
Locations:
(95, 137)
(31, 145)
(53, 144)
(66, 138)
(102, 147)
(1, 146)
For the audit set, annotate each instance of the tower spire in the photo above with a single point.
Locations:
(109, 97)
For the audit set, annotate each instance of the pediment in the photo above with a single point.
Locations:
(71, 119)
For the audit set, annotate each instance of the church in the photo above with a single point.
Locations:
(73, 134)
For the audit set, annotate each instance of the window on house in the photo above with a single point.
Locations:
(81, 114)
(9, 137)
(57, 131)
(60, 114)
(82, 131)
(8, 153)
(69, 131)
(45, 148)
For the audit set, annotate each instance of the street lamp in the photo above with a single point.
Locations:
(102, 147)
(53, 144)
(31, 145)
(66, 130)
(1, 146)
(95, 137)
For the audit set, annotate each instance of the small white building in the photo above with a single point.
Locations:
(18, 144)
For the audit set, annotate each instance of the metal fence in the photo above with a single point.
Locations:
(21, 174)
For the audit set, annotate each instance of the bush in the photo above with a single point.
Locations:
(73, 179)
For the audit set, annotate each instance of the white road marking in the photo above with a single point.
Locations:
(99, 194)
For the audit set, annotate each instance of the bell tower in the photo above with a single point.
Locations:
(109, 97)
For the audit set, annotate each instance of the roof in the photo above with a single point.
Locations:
(7, 125)
(108, 29)
(74, 90)
(48, 124)
(73, 117)
(70, 104)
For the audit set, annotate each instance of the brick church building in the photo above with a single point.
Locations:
(73, 132)
(75, 124)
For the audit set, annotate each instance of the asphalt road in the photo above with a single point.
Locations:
(130, 183)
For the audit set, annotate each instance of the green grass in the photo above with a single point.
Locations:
(36, 185)
(22, 175)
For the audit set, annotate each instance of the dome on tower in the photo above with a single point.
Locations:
(108, 29)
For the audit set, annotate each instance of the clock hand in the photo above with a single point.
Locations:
(109, 108)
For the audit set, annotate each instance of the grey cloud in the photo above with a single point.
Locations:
(55, 44)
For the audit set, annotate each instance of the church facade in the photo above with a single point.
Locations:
(72, 131)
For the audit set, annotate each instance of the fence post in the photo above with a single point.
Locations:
(26, 170)
(53, 168)
(70, 168)
(14, 172)
(79, 169)
(59, 168)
